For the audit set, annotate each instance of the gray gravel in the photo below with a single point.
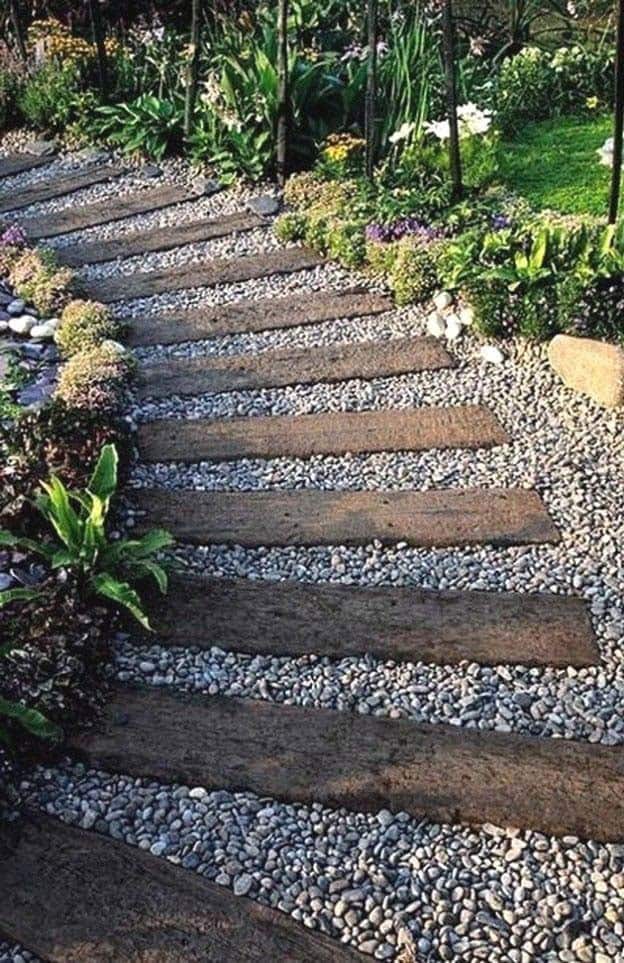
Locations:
(377, 881)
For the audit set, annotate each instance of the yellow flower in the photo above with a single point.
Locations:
(591, 103)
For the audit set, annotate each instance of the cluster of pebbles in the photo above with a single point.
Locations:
(396, 888)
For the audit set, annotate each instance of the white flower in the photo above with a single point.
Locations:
(605, 153)
(440, 129)
(403, 133)
(472, 121)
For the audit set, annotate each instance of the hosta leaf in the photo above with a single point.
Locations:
(103, 482)
(16, 595)
(121, 593)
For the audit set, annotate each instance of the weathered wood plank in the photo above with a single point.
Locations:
(301, 436)
(365, 763)
(102, 212)
(18, 163)
(400, 624)
(264, 314)
(144, 284)
(159, 238)
(58, 185)
(289, 366)
(72, 896)
(430, 519)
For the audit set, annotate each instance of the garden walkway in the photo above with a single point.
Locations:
(137, 904)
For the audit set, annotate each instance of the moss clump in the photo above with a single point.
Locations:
(290, 227)
(37, 279)
(96, 379)
(84, 324)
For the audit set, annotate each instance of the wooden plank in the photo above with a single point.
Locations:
(57, 186)
(159, 238)
(265, 314)
(144, 284)
(301, 436)
(289, 366)
(102, 212)
(481, 516)
(365, 763)
(400, 624)
(72, 896)
(18, 163)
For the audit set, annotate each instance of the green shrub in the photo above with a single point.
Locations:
(148, 125)
(37, 279)
(537, 84)
(84, 324)
(290, 226)
(381, 257)
(301, 190)
(96, 379)
(414, 276)
(55, 96)
(346, 242)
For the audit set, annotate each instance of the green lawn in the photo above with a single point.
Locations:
(554, 164)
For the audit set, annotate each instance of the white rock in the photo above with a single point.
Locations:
(42, 331)
(443, 300)
(22, 324)
(491, 353)
(453, 328)
(466, 316)
(436, 325)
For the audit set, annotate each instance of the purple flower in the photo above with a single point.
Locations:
(500, 222)
(12, 236)
(404, 227)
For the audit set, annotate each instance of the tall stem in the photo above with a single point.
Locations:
(618, 125)
(98, 37)
(370, 131)
(192, 67)
(17, 29)
(448, 36)
(283, 98)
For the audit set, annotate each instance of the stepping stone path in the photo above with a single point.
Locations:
(429, 519)
(102, 212)
(265, 314)
(70, 895)
(58, 185)
(363, 762)
(18, 163)
(296, 618)
(74, 897)
(301, 436)
(290, 366)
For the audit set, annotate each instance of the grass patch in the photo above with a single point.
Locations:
(554, 164)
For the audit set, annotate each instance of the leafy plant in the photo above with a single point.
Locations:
(79, 521)
(148, 125)
(55, 95)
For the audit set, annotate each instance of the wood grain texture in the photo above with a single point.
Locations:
(102, 212)
(72, 896)
(438, 518)
(158, 238)
(289, 366)
(402, 624)
(58, 185)
(301, 436)
(265, 314)
(207, 274)
(365, 763)
(18, 163)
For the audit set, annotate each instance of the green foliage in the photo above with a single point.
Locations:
(55, 96)
(554, 164)
(85, 324)
(413, 276)
(537, 84)
(78, 520)
(345, 241)
(290, 226)
(149, 125)
(95, 379)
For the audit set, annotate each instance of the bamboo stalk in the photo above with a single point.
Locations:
(448, 37)
(370, 131)
(618, 124)
(283, 97)
(98, 38)
(192, 68)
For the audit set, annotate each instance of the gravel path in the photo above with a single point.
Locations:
(386, 881)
